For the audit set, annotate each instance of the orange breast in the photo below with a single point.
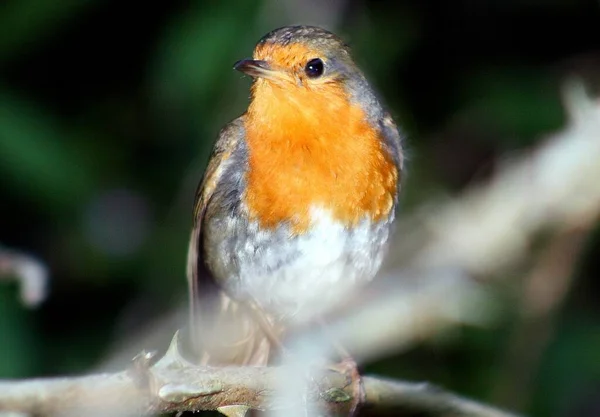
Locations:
(312, 147)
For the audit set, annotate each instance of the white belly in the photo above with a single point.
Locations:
(301, 277)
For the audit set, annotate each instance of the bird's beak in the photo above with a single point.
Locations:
(258, 69)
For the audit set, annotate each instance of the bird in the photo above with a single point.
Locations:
(294, 212)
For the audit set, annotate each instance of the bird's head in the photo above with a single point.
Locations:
(307, 66)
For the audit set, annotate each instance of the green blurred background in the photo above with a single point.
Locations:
(108, 111)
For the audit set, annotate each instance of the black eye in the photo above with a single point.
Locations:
(314, 68)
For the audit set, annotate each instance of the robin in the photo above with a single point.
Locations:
(295, 209)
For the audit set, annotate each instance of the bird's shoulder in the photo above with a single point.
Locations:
(393, 141)
(228, 144)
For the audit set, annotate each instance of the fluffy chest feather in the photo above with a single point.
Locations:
(297, 277)
(310, 148)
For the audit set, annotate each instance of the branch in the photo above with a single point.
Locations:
(424, 398)
(172, 384)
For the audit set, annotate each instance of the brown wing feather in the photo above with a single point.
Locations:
(221, 330)
(196, 273)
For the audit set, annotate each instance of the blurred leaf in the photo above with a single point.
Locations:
(24, 22)
(571, 362)
(18, 350)
(377, 48)
(519, 104)
(37, 158)
(198, 47)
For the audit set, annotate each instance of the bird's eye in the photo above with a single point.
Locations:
(314, 68)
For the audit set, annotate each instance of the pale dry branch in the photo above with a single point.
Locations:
(172, 384)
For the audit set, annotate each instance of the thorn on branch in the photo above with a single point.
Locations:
(140, 368)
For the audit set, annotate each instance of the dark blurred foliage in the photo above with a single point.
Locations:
(108, 111)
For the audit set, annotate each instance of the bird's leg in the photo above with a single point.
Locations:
(349, 368)
(265, 325)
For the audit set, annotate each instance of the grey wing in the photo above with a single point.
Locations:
(201, 288)
(221, 330)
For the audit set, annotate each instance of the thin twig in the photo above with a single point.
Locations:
(31, 274)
